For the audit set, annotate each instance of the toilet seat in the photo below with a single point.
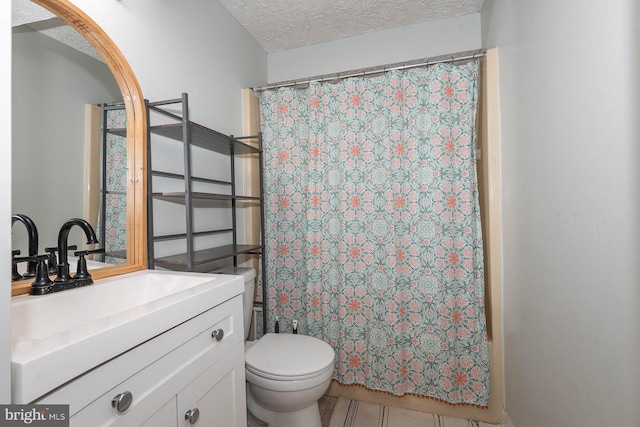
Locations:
(289, 378)
(289, 357)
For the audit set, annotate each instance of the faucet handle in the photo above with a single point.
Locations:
(88, 252)
(93, 251)
(42, 284)
(54, 249)
(81, 270)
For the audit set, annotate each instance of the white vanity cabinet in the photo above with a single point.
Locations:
(209, 400)
(192, 374)
(214, 394)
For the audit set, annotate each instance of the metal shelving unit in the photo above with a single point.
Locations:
(180, 129)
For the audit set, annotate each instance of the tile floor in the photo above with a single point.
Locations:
(326, 404)
(341, 412)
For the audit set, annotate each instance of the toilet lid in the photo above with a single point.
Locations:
(288, 355)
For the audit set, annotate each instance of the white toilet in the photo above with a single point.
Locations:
(286, 373)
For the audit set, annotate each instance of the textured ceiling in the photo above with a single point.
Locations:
(26, 12)
(29, 14)
(287, 24)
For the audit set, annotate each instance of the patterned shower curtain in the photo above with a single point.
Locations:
(373, 228)
(116, 185)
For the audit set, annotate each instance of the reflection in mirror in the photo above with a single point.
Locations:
(56, 172)
(112, 213)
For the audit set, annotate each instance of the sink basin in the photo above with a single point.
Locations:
(59, 336)
(113, 299)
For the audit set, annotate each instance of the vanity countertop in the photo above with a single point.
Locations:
(56, 337)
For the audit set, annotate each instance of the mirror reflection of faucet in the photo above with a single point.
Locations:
(32, 232)
(14, 266)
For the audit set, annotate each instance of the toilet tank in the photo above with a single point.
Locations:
(249, 277)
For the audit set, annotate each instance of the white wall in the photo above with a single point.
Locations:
(51, 85)
(377, 48)
(186, 46)
(569, 91)
(5, 201)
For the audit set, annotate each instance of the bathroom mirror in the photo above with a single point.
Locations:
(135, 144)
(57, 79)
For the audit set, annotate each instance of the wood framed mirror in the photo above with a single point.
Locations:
(136, 136)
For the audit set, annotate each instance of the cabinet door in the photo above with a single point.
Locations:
(218, 394)
(164, 417)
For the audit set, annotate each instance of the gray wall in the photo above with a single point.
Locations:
(571, 203)
(52, 83)
(378, 48)
(186, 46)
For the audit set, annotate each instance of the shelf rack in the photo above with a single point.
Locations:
(180, 129)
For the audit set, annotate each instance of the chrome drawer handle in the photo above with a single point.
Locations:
(192, 415)
(217, 335)
(122, 401)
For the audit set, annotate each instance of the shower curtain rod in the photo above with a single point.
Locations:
(469, 55)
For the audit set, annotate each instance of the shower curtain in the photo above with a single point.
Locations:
(373, 228)
(115, 206)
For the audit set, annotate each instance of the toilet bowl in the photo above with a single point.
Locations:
(286, 374)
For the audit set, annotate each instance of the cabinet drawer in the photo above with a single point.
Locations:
(153, 371)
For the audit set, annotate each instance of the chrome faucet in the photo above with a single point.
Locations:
(64, 280)
(33, 242)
